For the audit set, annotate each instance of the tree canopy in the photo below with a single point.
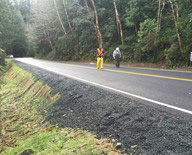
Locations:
(155, 31)
(12, 29)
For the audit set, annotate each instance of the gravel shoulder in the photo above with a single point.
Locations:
(140, 128)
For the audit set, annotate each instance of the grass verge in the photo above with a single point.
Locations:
(24, 102)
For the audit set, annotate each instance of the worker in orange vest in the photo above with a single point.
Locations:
(100, 55)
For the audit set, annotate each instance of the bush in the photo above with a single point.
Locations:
(2, 57)
(175, 58)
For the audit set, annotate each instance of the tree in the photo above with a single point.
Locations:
(175, 17)
(147, 39)
(67, 16)
(62, 25)
(12, 27)
(147, 30)
(96, 23)
(119, 25)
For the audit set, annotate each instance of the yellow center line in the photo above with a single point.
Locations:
(151, 75)
(136, 73)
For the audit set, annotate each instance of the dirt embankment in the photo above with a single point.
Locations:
(141, 129)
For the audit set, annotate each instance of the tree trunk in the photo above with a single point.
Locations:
(159, 13)
(92, 22)
(177, 10)
(158, 21)
(176, 25)
(100, 39)
(87, 7)
(67, 16)
(119, 25)
(65, 33)
(94, 25)
(49, 39)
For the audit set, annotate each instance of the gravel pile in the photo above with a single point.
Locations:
(140, 128)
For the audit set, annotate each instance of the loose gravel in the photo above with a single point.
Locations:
(140, 128)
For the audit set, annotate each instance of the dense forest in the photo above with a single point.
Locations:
(12, 29)
(153, 31)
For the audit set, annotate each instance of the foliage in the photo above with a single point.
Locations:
(146, 40)
(12, 29)
(139, 25)
(2, 57)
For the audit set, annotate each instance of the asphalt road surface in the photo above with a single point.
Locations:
(167, 90)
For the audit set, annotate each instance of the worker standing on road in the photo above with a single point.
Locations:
(100, 55)
(117, 56)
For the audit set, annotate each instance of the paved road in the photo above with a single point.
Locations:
(159, 88)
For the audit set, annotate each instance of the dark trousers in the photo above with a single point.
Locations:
(117, 61)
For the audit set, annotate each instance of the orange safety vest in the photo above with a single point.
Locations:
(99, 52)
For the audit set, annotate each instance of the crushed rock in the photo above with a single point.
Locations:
(141, 129)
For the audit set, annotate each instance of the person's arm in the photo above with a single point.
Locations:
(102, 55)
(113, 54)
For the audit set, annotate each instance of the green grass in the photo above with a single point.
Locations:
(57, 142)
(23, 105)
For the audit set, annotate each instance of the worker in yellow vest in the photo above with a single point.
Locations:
(100, 55)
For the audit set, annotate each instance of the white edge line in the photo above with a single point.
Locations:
(119, 91)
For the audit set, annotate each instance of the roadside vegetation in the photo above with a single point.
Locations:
(13, 38)
(23, 130)
(157, 31)
(4, 65)
(2, 61)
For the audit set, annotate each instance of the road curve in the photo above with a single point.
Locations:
(160, 88)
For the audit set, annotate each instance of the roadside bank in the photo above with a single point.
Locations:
(24, 105)
(140, 128)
